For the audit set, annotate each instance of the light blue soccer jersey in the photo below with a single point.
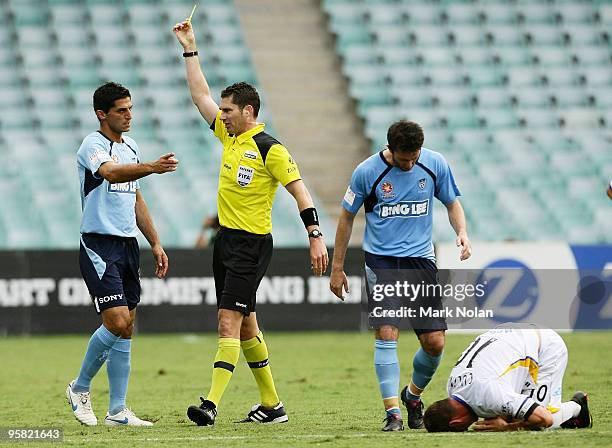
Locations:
(108, 209)
(399, 211)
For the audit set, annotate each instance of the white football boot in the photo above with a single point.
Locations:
(80, 402)
(125, 418)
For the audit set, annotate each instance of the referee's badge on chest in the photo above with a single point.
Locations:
(244, 176)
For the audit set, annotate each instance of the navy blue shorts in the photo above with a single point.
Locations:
(403, 292)
(110, 266)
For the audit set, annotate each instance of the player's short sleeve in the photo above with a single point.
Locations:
(219, 129)
(281, 165)
(92, 154)
(446, 188)
(500, 400)
(356, 191)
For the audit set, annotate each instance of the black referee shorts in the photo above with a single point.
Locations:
(240, 260)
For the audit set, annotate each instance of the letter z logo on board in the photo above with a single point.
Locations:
(407, 209)
(244, 176)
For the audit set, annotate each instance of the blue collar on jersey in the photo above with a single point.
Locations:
(122, 141)
(371, 200)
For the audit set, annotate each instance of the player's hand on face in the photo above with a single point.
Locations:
(466, 247)
(491, 424)
(184, 33)
(338, 283)
(161, 261)
(318, 256)
(165, 164)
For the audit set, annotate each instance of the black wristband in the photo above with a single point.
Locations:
(530, 411)
(190, 54)
(309, 217)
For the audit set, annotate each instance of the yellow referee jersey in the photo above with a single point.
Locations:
(252, 165)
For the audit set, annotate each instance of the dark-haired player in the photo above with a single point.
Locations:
(512, 378)
(113, 212)
(397, 187)
(253, 163)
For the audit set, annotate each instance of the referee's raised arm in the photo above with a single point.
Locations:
(200, 91)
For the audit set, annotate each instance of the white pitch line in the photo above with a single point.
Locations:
(202, 438)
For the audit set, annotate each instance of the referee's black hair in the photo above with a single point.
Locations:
(105, 96)
(405, 136)
(243, 94)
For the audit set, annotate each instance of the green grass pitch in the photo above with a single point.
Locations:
(326, 381)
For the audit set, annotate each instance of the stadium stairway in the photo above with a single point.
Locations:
(515, 94)
(307, 96)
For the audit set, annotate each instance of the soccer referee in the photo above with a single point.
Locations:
(252, 165)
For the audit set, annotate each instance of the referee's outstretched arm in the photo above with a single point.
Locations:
(200, 91)
(318, 251)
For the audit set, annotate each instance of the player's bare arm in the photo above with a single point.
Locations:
(539, 418)
(115, 172)
(338, 283)
(456, 217)
(146, 226)
(198, 86)
(318, 251)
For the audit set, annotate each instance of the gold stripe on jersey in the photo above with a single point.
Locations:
(252, 165)
(528, 363)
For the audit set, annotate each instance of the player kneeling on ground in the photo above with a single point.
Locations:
(513, 379)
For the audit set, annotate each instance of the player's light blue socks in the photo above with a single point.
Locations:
(394, 411)
(387, 368)
(424, 366)
(118, 370)
(98, 349)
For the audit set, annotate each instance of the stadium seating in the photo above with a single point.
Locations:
(517, 95)
(53, 54)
